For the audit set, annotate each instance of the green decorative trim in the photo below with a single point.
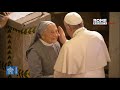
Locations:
(9, 41)
(9, 58)
(23, 74)
(26, 74)
(9, 47)
(9, 52)
(23, 31)
(9, 36)
(3, 64)
(9, 31)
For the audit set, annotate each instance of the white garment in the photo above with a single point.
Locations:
(73, 18)
(85, 52)
(45, 43)
(98, 73)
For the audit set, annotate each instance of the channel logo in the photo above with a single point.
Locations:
(99, 21)
(11, 70)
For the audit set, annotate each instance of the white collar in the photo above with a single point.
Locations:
(45, 43)
(78, 30)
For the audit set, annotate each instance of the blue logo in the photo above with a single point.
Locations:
(11, 70)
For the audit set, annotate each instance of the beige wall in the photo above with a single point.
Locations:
(114, 45)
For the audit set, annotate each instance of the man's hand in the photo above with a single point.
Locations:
(3, 18)
(62, 36)
(5, 13)
(3, 21)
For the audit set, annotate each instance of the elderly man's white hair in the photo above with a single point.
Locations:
(73, 18)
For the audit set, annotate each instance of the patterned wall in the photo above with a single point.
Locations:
(13, 46)
(17, 43)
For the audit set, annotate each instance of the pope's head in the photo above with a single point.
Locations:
(72, 22)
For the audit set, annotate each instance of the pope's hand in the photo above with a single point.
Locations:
(62, 36)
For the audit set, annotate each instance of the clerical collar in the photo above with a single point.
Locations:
(78, 30)
(45, 43)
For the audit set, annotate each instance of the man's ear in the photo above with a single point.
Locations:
(3, 21)
(69, 28)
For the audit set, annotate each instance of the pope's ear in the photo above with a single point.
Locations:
(69, 28)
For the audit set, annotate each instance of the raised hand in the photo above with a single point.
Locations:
(62, 36)
(3, 18)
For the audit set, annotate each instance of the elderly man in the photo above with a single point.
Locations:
(83, 56)
(43, 50)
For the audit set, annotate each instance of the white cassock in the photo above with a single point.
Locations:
(84, 56)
